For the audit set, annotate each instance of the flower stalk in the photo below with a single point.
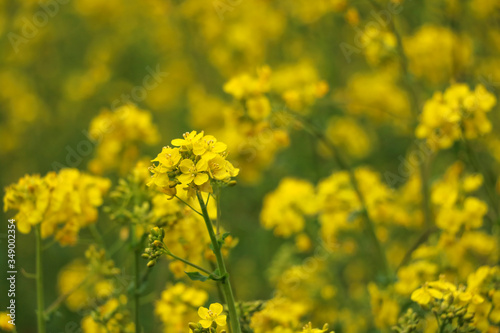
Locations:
(137, 282)
(226, 284)
(39, 280)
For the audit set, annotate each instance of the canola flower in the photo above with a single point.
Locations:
(5, 322)
(178, 304)
(197, 161)
(457, 113)
(437, 54)
(325, 269)
(60, 203)
(284, 209)
(212, 315)
(118, 134)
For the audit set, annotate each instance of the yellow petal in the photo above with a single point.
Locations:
(179, 142)
(199, 148)
(205, 323)
(216, 308)
(201, 179)
(221, 320)
(186, 166)
(420, 296)
(202, 165)
(185, 178)
(477, 299)
(203, 312)
(219, 147)
(435, 293)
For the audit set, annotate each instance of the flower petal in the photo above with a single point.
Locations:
(179, 142)
(219, 147)
(221, 320)
(202, 165)
(185, 178)
(203, 312)
(186, 166)
(205, 323)
(216, 308)
(201, 179)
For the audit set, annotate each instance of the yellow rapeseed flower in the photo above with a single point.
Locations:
(212, 314)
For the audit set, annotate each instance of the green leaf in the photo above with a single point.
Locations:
(197, 276)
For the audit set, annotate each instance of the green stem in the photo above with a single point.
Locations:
(97, 235)
(39, 280)
(226, 284)
(54, 306)
(422, 239)
(136, 269)
(424, 189)
(189, 263)
(184, 202)
(217, 199)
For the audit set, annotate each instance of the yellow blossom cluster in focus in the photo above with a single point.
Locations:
(197, 161)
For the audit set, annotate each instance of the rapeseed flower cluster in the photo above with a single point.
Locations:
(178, 304)
(455, 114)
(364, 134)
(61, 203)
(118, 134)
(197, 161)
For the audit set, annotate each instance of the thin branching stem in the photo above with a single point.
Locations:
(194, 210)
(189, 263)
(225, 281)
(39, 280)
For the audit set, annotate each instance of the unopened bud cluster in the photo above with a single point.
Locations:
(455, 318)
(407, 323)
(156, 246)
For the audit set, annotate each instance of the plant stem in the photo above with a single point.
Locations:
(189, 263)
(136, 269)
(226, 284)
(39, 280)
(184, 202)
(217, 199)
(422, 239)
(96, 235)
(54, 306)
